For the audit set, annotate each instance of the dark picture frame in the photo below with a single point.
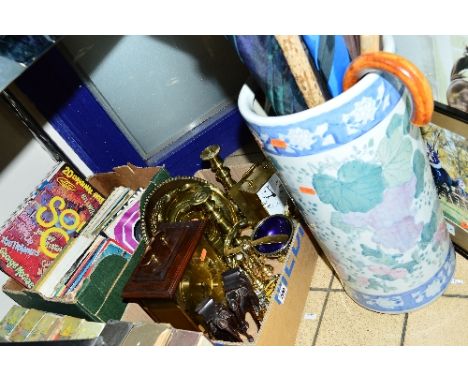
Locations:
(447, 148)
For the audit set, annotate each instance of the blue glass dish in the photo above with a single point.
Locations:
(273, 225)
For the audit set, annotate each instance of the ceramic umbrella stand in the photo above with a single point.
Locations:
(357, 169)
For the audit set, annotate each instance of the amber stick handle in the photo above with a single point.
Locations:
(407, 72)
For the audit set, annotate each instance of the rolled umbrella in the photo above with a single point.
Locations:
(265, 60)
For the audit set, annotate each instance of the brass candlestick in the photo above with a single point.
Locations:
(223, 174)
(254, 266)
(239, 252)
(244, 192)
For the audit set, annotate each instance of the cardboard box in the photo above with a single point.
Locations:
(285, 311)
(100, 298)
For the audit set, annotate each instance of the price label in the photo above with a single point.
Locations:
(203, 255)
(282, 292)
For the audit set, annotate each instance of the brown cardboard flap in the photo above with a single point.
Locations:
(135, 313)
(282, 320)
(130, 176)
(12, 286)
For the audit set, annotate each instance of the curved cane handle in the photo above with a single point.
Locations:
(407, 72)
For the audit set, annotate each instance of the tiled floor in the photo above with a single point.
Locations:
(332, 318)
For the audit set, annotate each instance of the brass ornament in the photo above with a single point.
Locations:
(188, 198)
(243, 192)
(225, 244)
(202, 278)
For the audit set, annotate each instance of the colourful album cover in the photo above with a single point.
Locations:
(52, 216)
(108, 248)
(125, 229)
(70, 277)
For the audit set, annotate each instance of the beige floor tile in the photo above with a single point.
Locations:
(322, 274)
(441, 323)
(346, 323)
(460, 282)
(336, 283)
(310, 318)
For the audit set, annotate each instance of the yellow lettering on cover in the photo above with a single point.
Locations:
(50, 225)
(68, 172)
(44, 237)
(98, 197)
(55, 217)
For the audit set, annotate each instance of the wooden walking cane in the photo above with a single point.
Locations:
(369, 43)
(301, 69)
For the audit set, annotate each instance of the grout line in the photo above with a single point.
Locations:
(319, 289)
(403, 332)
(455, 295)
(323, 311)
(313, 289)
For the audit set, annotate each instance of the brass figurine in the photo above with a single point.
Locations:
(239, 253)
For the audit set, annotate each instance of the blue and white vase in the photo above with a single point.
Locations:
(357, 170)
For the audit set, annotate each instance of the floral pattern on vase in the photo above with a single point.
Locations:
(371, 203)
(324, 132)
(412, 299)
